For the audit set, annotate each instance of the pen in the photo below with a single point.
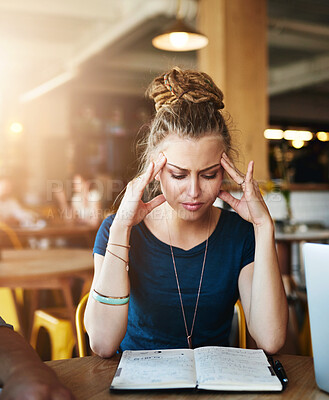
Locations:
(281, 372)
(270, 360)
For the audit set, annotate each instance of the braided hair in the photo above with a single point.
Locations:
(192, 86)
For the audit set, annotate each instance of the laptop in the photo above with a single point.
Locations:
(316, 259)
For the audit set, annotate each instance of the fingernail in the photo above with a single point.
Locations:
(160, 156)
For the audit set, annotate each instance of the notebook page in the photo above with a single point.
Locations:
(234, 369)
(155, 369)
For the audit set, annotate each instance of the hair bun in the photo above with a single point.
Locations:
(188, 85)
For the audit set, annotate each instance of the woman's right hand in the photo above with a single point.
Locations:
(132, 209)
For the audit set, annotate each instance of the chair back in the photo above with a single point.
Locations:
(242, 325)
(11, 235)
(80, 326)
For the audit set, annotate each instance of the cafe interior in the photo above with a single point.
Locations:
(72, 108)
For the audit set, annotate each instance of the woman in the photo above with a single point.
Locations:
(188, 261)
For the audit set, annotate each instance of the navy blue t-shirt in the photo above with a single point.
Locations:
(155, 318)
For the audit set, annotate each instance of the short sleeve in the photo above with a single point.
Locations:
(3, 323)
(248, 255)
(103, 236)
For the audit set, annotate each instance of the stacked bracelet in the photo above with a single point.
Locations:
(119, 245)
(112, 301)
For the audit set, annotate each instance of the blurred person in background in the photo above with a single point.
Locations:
(85, 204)
(11, 210)
(22, 374)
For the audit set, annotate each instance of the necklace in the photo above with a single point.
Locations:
(189, 335)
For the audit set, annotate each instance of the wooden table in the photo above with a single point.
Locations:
(90, 378)
(45, 269)
(57, 229)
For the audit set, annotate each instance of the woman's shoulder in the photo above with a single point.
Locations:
(108, 221)
(103, 235)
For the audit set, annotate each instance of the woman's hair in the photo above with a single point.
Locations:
(189, 105)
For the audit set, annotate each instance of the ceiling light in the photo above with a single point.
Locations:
(297, 135)
(273, 134)
(323, 136)
(180, 37)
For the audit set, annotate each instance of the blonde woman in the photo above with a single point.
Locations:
(169, 270)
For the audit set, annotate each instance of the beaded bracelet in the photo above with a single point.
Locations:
(109, 300)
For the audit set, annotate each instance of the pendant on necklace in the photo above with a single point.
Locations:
(189, 341)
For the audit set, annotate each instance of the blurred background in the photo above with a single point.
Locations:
(73, 76)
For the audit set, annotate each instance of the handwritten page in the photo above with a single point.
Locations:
(155, 369)
(233, 368)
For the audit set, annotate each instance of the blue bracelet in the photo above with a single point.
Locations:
(112, 301)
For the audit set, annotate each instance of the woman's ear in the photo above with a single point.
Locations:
(157, 177)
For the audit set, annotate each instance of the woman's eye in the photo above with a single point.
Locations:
(178, 176)
(212, 176)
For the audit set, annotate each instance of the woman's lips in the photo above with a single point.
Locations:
(192, 206)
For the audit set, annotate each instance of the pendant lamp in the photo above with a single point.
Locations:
(180, 37)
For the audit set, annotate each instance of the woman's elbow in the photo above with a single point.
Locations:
(103, 344)
(272, 343)
(102, 349)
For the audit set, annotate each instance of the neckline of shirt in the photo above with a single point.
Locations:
(179, 251)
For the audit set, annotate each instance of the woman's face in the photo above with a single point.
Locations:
(191, 178)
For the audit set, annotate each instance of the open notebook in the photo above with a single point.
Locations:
(210, 368)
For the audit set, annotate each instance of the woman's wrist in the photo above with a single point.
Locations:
(121, 231)
(120, 227)
(267, 227)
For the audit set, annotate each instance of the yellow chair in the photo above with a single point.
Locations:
(58, 326)
(11, 299)
(80, 327)
(11, 235)
(8, 308)
(242, 325)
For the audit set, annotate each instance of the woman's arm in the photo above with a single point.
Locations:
(261, 289)
(107, 324)
(262, 294)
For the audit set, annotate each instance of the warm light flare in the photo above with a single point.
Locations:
(323, 136)
(298, 144)
(276, 134)
(291, 134)
(16, 127)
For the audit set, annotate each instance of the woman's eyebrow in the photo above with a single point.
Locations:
(184, 169)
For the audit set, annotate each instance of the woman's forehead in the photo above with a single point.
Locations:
(177, 146)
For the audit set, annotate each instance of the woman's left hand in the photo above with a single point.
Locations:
(251, 206)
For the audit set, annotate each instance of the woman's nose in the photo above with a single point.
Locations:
(194, 189)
